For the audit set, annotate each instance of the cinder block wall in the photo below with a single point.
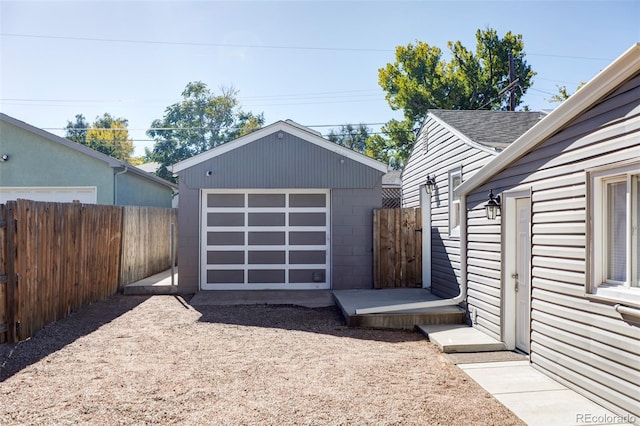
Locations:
(188, 239)
(352, 237)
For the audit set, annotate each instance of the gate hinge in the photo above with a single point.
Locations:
(418, 229)
(3, 278)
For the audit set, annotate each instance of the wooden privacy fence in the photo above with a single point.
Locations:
(397, 248)
(56, 257)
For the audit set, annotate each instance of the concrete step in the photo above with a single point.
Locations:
(155, 284)
(460, 338)
(407, 320)
(137, 289)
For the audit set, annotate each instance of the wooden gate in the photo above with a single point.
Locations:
(397, 248)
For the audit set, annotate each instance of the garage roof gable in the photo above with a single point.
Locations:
(289, 127)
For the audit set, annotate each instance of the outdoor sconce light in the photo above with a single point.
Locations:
(208, 172)
(4, 157)
(493, 206)
(430, 184)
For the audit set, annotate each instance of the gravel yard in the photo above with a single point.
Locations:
(157, 360)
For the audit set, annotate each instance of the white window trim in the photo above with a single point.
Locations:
(622, 292)
(454, 231)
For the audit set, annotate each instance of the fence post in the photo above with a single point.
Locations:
(173, 254)
(12, 278)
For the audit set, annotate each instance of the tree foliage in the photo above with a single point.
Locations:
(421, 79)
(200, 121)
(107, 134)
(563, 94)
(395, 146)
(350, 136)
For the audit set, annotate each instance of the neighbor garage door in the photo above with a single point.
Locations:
(265, 239)
(62, 194)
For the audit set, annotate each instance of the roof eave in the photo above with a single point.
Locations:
(616, 73)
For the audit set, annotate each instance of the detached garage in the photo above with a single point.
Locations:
(280, 208)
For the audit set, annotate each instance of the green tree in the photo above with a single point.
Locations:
(200, 121)
(77, 131)
(563, 94)
(395, 146)
(107, 134)
(354, 138)
(421, 79)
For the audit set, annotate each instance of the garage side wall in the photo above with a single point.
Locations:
(188, 238)
(352, 236)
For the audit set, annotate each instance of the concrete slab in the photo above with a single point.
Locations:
(536, 398)
(452, 338)
(351, 300)
(304, 298)
(156, 284)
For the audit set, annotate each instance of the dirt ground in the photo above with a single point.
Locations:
(157, 360)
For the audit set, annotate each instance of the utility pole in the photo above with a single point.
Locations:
(512, 94)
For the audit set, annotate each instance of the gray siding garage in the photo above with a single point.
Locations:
(557, 274)
(280, 208)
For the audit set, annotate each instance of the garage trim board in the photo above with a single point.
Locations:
(265, 239)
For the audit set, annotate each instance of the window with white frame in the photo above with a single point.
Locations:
(615, 244)
(455, 179)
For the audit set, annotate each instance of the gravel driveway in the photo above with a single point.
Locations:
(157, 360)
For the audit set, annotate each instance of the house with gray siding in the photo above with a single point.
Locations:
(40, 166)
(555, 274)
(450, 147)
(279, 208)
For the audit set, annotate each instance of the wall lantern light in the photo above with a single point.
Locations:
(492, 208)
(430, 184)
(4, 157)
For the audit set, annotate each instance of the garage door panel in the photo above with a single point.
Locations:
(307, 276)
(225, 200)
(267, 257)
(267, 200)
(307, 219)
(259, 239)
(308, 257)
(225, 219)
(307, 238)
(307, 200)
(266, 219)
(225, 257)
(263, 276)
(225, 238)
(225, 276)
(266, 238)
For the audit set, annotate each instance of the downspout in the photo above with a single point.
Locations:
(115, 184)
(461, 297)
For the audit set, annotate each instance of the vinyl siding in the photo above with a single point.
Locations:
(583, 343)
(437, 151)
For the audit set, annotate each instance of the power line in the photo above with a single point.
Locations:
(257, 46)
(181, 43)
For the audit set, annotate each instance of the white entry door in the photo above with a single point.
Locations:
(265, 239)
(522, 274)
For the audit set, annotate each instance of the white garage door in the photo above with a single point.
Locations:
(58, 194)
(265, 239)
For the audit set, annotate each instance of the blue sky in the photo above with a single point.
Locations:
(314, 62)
